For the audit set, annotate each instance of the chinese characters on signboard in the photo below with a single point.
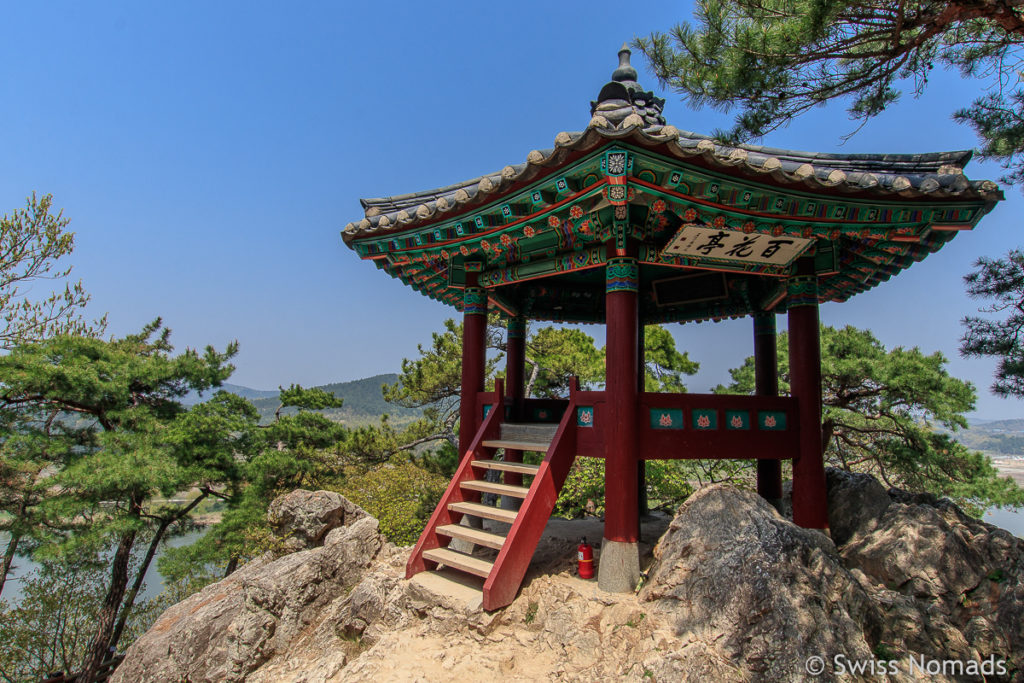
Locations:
(737, 246)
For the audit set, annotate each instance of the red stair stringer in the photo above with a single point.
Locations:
(503, 583)
(429, 539)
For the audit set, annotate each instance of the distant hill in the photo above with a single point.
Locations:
(994, 437)
(245, 392)
(364, 402)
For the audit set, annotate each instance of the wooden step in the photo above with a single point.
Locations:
(457, 560)
(495, 487)
(540, 447)
(468, 533)
(486, 511)
(520, 467)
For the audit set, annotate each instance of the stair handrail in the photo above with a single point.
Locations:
(490, 428)
(510, 567)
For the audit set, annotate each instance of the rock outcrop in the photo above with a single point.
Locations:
(231, 628)
(734, 592)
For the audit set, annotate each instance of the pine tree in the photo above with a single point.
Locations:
(777, 59)
(892, 413)
(121, 453)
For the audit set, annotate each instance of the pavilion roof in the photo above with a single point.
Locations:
(876, 212)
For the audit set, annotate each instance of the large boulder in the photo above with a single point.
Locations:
(303, 518)
(855, 503)
(946, 582)
(231, 628)
(767, 593)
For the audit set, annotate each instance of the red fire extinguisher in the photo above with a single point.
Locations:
(585, 555)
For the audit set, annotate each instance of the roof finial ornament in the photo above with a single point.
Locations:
(623, 103)
(625, 72)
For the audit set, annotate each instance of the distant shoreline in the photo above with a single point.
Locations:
(1011, 467)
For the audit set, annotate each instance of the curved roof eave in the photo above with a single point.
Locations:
(933, 175)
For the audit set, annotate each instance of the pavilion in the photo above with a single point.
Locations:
(634, 222)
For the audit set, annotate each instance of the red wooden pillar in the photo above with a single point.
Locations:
(619, 569)
(766, 383)
(641, 380)
(474, 333)
(515, 364)
(810, 505)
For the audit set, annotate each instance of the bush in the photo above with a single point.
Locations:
(583, 493)
(401, 496)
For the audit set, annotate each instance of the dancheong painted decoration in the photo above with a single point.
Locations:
(630, 222)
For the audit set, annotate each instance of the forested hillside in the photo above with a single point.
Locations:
(364, 403)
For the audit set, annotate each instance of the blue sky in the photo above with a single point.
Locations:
(209, 154)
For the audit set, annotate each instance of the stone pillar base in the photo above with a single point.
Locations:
(619, 568)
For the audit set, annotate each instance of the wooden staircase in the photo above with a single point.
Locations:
(499, 555)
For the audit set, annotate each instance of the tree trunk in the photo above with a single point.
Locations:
(232, 566)
(12, 547)
(129, 600)
(108, 612)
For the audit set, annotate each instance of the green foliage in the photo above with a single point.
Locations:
(400, 495)
(777, 60)
(583, 491)
(880, 411)
(668, 485)
(664, 365)
(32, 240)
(50, 627)
(1002, 282)
(309, 399)
(531, 613)
(558, 353)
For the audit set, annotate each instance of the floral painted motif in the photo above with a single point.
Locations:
(506, 240)
(586, 417)
(621, 212)
(529, 231)
(576, 212)
(690, 215)
(553, 221)
(662, 221)
(464, 249)
(658, 206)
(703, 422)
(769, 421)
(542, 414)
(486, 245)
(748, 227)
(777, 230)
(736, 422)
(665, 420)
(585, 227)
(719, 221)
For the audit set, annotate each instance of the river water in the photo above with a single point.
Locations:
(24, 566)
